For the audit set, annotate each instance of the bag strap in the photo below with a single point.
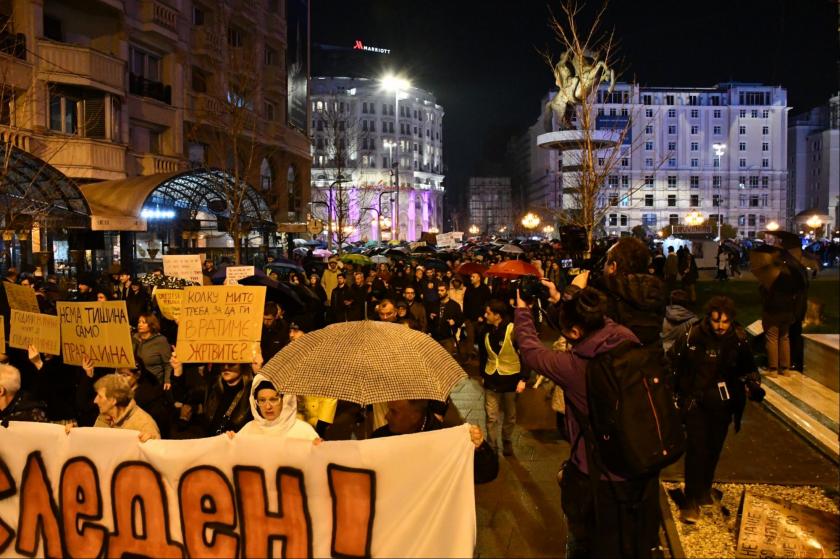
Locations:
(234, 403)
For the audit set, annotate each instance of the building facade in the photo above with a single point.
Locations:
(720, 151)
(366, 141)
(814, 165)
(490, 202)
(114, 90)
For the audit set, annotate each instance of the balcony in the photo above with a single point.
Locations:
(83, 158)
(138, 85)
(151, 110)
(156, 17)
(20, 139)
(152, 164)
(74, 64)
(205, 42)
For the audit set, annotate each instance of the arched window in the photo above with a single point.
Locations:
(266, 178)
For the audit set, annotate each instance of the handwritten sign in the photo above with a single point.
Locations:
(98, 330)
(236, 273)
(772, 527)
(169, 302)
(40, 330)
(21, 297)
(220, 324)
(185, 266)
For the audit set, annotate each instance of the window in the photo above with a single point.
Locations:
(672, 181)
(742, 200)
(672, 146)
(613, 220)
(612, 180)
(716, 181)
(765, 130)
(63, 113)
(751, 220)
(649, 220)
(716, 112)
(694, 200)
(754, 113)
(648, 113)
(742, 220)
(648, 129)
(695, 163)
(648, 146)
(742, 113)
(765, 146)
(613, 198)
(669, 99)
(625, 181)
(197, 16)
(672, 113)
(694, 181)
(648, 162)
(764, 200)
(672, 200)
(199, 80)
(742, 146)
(364, 108)
(695, 146)
(694, 112)
(672, 129)
(270, 110)
(716, 131)
(754, 201)
(765, 113)
(673, 219)
(672, 162)
(765, 163)
(625, 161)
(716, 200)
(270, 56)
(648, 200)
(742, 163)
(695, 129)
(235, 37)
(765, 182)
(648, 181)
(716, 162)
(145, 64)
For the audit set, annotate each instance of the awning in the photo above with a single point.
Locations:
(117, 205)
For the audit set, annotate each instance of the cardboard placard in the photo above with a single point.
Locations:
(99, 330)
(772, 527)
(41, 330)
(169, 302)
(2, 334)
(185, 266)
(21, 297)
(236, 273)
(220, 324)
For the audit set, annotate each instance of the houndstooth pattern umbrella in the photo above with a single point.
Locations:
(365, 362)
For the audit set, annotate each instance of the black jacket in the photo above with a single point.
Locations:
(274, 339)
(636, 301)
(23, 408)
(475, 301)
(438, 325)
(339, 311)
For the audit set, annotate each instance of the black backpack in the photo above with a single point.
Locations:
(634, 423)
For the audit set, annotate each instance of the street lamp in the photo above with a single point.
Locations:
(694, 218)
(548, 230)
(773, 226)
(394, 83)
(530, 221)
(473, 230)
(434, 230)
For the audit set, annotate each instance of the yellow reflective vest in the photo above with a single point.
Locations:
(507, 361)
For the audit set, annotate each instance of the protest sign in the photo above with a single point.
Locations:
(772, 527)
(98, 330)
(21, 297)
(185, 266)
(41, 330)
(99, 492)
(169, 302)
(220, 324)
(2, 334)
(236, 273)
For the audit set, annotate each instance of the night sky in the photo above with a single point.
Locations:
(480, 58)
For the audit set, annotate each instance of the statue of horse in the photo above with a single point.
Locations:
(573, 88)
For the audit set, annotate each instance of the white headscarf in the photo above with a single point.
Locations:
(278, 426)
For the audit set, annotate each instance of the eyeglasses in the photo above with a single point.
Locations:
(273, 401)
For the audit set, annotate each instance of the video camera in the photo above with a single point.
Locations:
(530, 288)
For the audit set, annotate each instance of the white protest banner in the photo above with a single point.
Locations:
(185, 266)
(21, 297)
(99, 492)
(220, 324)
(236, 273)
(169, 302)
(99, 330)
(41, 330)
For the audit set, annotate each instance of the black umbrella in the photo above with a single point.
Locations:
(396, 251)
(279, 292)
(423, 249)
(436, 264)
(787, 239)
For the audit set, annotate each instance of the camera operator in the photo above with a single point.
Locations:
(714, 370)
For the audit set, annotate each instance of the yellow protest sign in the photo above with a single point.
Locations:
(220, 324)
(21, 297)
(169, 302)
(41, 330)
(98, 330)
(185, 266)
(2, 334)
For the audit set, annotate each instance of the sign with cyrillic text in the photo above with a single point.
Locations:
(236, 273)
(220, 324)
(98, 330)
(169, 302)
(21, 297)
(184, 266)
(99, 492)
(41, 330)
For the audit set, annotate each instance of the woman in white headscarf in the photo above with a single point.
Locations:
(275, 414)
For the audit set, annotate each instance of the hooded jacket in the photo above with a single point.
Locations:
(568, 369)
(636, 301)
(676, 323)
(285, 425)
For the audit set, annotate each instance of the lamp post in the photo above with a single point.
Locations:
(814, 222)
(548, 230)
(694, 218)
(379, 214)
(378, 232)
(773, 226)
(720, 151)
(473, 230)
(530, 221)
(396, 84)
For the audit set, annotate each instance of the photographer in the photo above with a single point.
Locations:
(714, 369)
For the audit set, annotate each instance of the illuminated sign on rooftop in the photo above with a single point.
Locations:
(359, 45)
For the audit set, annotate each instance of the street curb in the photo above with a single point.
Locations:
(672, 536)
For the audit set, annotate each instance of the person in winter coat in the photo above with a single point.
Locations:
(14, 404)
(625, 507)
(227, 406)
(690, 275)
(275, 414)
(152, 350)
(672, 267)
(476, 298)
(678, 319)
(137, 302)
(711, 362)
(118, 410)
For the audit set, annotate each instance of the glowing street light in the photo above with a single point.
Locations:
(719, 149)
(473, 229)
(391, 82)
(548, 229)
(434, 230)
(530, 221)
(386, 223)
(694, 218)
(773, 226)
(814, 222)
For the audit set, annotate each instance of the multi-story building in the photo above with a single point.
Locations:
(814, 164)
(491, 204)
(374, 140)
(117, 90)
(720, 151)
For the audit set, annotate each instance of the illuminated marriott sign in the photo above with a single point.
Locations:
(358, 45)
